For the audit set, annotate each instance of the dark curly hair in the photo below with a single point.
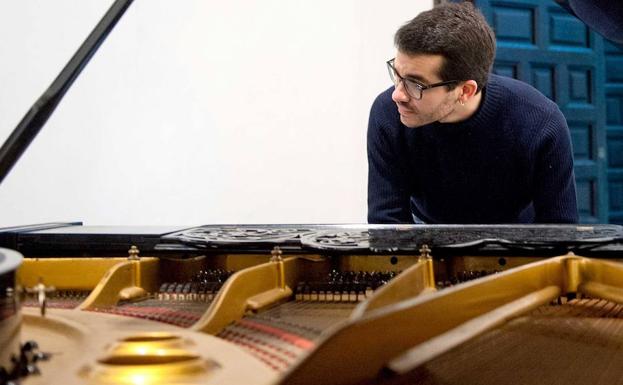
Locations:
(458, 32)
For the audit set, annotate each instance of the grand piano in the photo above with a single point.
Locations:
(302, 304)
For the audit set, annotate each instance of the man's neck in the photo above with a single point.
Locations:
(465, 111)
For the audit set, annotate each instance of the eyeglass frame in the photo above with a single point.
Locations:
(422, 87)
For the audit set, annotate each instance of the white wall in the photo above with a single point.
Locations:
(196, 112)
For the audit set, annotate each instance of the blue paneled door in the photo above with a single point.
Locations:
(614, 128)
(540, 43)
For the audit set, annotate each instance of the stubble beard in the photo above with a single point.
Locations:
(438, 113)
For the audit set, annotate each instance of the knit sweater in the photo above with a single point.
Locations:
(510, 162)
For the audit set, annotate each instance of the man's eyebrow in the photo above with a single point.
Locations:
(416, 77)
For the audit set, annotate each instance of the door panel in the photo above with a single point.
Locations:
(614, 127)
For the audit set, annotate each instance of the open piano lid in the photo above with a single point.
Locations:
(38, 114)
(604, 16)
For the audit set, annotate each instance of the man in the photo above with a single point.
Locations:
(452, 143)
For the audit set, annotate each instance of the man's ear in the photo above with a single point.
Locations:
(468, 90)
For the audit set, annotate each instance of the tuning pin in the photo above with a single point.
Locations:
(29, 346)
(31, 369)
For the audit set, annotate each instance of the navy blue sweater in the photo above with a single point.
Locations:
(511, 162)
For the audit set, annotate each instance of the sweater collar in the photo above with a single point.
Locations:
(489, 105)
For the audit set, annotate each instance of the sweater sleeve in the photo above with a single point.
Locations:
(554, 182)
(388, 192)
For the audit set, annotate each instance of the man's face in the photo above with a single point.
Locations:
(437, 104)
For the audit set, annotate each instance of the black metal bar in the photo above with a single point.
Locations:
(35, 118)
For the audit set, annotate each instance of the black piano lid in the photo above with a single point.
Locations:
(92, 239)
(603, 16)
(38, 114)
(9, 235)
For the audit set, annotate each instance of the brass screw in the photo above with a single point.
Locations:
(133, 253)
(276, 254)
(425, 251)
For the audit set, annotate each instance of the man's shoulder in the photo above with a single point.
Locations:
(525, 107)
(515, 92)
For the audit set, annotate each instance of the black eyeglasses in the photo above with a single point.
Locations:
(412, 86)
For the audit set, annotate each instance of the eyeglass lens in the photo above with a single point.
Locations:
(412, 88)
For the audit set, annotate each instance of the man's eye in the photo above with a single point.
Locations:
(415, 84)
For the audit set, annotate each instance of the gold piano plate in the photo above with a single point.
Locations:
(92, 348)
(395, 343)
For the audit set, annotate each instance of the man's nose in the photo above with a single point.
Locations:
(400, 93)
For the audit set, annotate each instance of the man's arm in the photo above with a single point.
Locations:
(554, 188)
(388, 193)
